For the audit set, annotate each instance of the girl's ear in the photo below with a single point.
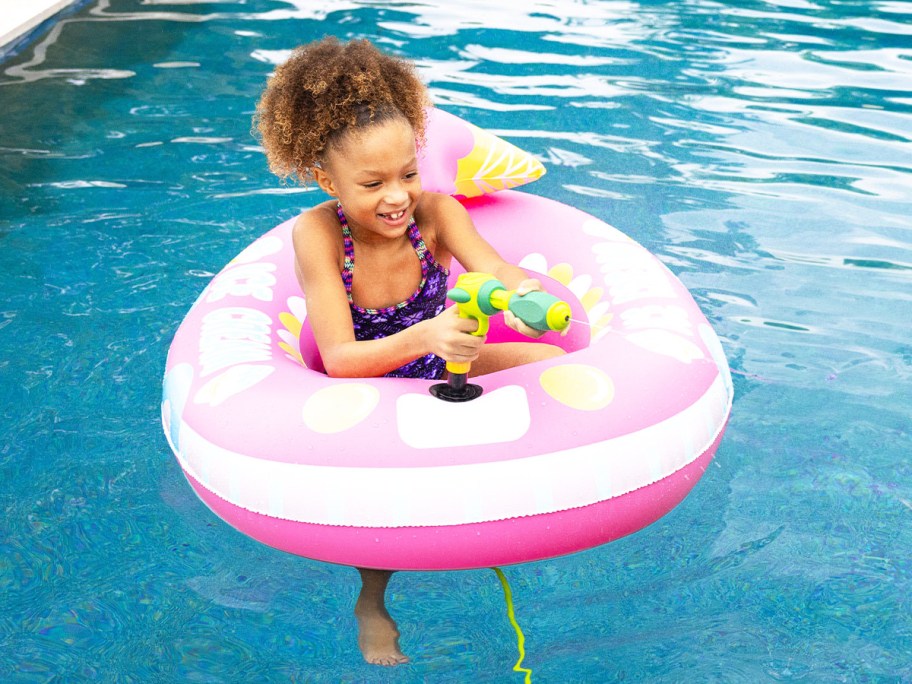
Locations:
(324, 180)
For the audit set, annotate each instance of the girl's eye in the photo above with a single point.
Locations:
(372, 186)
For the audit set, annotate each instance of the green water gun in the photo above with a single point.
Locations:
(480, 296)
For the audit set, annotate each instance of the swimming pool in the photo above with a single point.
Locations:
(760, 149)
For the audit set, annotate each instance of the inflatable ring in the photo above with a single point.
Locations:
(555, 457)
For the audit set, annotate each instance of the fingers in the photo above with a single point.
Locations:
(525, 287)
(462, 348)
(452, 340)
(528, 285)
(463, 325)
(516, 324)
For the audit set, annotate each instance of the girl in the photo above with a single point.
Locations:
(373, 261)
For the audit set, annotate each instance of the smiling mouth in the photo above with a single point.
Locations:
(395, 216)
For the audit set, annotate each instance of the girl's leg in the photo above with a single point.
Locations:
(502, 355)
(378, 636)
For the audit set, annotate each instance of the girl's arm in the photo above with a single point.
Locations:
(316, 245)
(457, 235)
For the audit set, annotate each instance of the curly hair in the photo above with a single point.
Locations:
(326, 89)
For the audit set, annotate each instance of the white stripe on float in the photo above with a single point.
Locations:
(452, 495)
(496, 417)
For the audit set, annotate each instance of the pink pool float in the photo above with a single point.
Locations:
(554, 457)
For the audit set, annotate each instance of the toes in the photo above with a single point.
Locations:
(388, 661)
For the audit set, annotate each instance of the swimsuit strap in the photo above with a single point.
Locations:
(349, 264)
(424, 257)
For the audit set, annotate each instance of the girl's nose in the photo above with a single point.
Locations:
(396, 194)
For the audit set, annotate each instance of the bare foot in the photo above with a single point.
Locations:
(378, 637)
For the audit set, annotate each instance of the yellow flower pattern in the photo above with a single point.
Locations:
(290, 334)
(591, 298)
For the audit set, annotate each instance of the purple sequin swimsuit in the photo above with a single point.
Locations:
(427, 301)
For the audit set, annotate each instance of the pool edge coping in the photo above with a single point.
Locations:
(16, 23)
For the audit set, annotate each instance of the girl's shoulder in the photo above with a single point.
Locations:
(436, 203)
(436, 214)
(319, 220)
(436, 210)
(316, 231)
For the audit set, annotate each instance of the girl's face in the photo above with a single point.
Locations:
(373, 172)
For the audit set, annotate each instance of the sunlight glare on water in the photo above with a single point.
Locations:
(762, 149)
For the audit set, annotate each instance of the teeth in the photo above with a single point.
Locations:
(394, 217)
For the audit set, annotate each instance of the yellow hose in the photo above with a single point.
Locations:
(520, 638)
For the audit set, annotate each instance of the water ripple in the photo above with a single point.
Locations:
(761, 149)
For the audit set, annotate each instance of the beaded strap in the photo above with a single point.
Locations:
(424, 256)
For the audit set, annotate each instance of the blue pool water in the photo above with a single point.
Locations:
(763, 150)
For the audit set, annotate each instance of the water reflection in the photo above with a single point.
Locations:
(761, 149)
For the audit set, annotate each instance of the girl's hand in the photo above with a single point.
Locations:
(447, 336)
(525, 287)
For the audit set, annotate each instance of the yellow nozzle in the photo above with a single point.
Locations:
(558, 316)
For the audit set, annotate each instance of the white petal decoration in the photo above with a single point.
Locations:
(535, 262)
(580, 285)
(599, 310)
(298, 307)
(288, 338)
